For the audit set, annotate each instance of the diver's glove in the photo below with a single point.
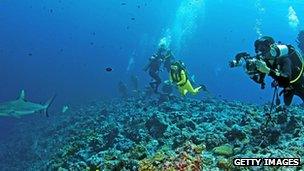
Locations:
(262, 67)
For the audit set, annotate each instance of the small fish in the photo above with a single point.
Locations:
(65, 108)
(133, 18)
(123, 3)
(109, 69)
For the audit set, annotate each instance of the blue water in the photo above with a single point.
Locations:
(63, 46)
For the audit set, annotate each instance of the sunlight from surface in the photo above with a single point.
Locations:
(185, 22)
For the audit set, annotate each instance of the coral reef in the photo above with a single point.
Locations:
(179, 134)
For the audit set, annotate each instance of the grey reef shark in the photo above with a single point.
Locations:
(21, 107)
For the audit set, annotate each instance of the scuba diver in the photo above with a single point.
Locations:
(167, 57)
(179, 76)
(154, 67)
(167, 87)
(122, 89)
(280, 61)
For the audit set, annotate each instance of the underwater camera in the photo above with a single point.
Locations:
(244, 59)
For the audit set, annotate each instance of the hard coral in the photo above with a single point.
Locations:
(224, 164)
(159, 156)
(138, 152)
(197, 164)
(146, 165)
(225, 150)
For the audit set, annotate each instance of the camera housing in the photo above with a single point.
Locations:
(244, 59)
(249, 63)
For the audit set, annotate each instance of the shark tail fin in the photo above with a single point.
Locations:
(48, 104)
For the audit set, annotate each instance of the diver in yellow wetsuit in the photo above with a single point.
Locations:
(178, 75)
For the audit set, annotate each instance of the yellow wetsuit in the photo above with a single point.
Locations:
(183, 83)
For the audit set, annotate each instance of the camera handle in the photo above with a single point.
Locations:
(268, 115)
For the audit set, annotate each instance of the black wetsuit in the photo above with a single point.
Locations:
(153, 67)
(167, 57)
(288, 67)
(168, 60)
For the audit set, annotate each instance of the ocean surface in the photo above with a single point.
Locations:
(80, 51)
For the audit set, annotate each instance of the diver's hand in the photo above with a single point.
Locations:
(168, 82)
(262, 67)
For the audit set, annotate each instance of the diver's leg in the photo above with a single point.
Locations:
(185, 91)
(157, 82)
(288, 95)
(182, 90)
(152, 80)
(191, 89)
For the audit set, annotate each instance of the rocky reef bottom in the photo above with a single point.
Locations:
(135, 134)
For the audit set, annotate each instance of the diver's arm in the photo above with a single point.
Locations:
(283, 76)
(183, 78)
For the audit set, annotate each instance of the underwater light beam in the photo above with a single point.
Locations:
(185, 22)
(131, 62)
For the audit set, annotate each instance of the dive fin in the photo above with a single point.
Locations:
(204, 88)
(48, 104)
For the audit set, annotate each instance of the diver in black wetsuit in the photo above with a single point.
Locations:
(166, 56)
(154, 67)
(284, 64)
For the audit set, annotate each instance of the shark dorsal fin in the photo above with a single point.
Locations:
(22, 95)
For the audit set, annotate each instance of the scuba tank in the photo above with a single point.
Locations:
(181, 66)
(281, 51)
